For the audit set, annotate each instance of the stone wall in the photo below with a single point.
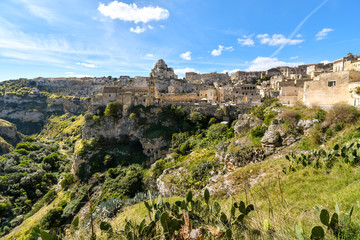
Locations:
(191, 97)
(324, 93)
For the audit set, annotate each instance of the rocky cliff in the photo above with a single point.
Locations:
(29, 112)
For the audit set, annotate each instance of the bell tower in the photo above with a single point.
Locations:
(151, 91)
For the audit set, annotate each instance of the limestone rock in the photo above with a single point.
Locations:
(8, 130)
(165, 187)
(162, 72)
(5, 147)
(246, 122)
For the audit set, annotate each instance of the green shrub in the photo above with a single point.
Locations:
(49, 196)
(320, 115)
(216, 132)
(257, 132)
(178, 139)
(52, 219)
(67, 181)
(113, 109)
(5, 209)
(158, 168)
(52, 160)
(184, 148)
(212, 121)
(261, 110)
(269, 117)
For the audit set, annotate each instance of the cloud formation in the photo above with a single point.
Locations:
(132, 13)
(277, 40)
(182, 71)
(138, 29)
(293, 58)
(246, 41)
(149, 55)
(266, 63)
(186, 56)
(88, 65)
(323, 33)
(218, 52)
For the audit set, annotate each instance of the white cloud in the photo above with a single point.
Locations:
(277, 40)
(323, 33)
(231, 71)
(218, 52)
(72, 74)
(246, 41)
(265, 63)
(325, 62)
(149, 55)
(132, 13)
(184, 70)
(299, 35)
(293, 58)
(40, 11)
(138, 29)
(88, 65)
(186, 56)
(150, 27)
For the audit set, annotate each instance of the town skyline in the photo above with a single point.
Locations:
(126, 38)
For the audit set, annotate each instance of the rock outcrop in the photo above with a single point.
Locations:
(30, 112)
(246, 122)
(162, 72)
(278, 135)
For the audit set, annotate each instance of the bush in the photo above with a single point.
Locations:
(184, 148)
(52, 160)
(67, 181)
(113, 109)
(320, 115)
(261, 111)
(158, 168)
(52, 219)
(257, 132)
(5, 209)
(269, 117)
(290, 118)
(178, 139)
(341, 114)
(216, 132)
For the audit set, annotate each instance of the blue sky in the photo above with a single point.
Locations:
(100, 38)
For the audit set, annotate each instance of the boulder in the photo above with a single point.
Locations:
(246, 122)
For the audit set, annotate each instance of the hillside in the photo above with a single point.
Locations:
(266, 174)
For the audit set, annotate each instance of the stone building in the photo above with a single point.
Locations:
(206, 78)
(332, 88)
(315, 70)
(345, 63)
(125, 96)
(246, 93)
(291, 92)
(246, 77)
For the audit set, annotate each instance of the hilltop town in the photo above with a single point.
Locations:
(282, 140)
(321, 84)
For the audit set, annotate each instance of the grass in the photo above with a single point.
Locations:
(22, 231)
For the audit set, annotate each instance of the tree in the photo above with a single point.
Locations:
(113, 109)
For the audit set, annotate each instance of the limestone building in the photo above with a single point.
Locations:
(332, 88)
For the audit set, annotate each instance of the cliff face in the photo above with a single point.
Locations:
(29, 112)
(9, 136)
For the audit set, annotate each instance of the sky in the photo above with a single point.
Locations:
(67, 38)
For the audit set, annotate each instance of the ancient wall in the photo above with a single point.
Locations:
(191, 97)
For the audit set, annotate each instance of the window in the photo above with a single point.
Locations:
(332, 83)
